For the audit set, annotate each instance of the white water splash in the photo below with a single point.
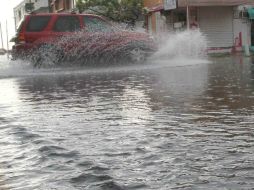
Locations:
(190, 44)
(175, 49)
(93, 48)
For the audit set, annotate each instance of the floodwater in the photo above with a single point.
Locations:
(175, 124)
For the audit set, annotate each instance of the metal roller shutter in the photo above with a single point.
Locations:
(217, 24)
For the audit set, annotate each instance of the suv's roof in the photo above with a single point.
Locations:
(61, 14)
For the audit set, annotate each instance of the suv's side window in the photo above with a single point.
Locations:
(67, 24)
(37, 23)
(94, 24)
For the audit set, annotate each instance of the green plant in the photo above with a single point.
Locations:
(128, 11)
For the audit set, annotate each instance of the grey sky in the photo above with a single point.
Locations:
(6, 13)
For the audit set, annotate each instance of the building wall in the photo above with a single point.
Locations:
(19, 11)
(242, 32)
(153, 21)
(153, 16)
(242, 27)
(200, 3)
(62, 5)
(152, 3)
(41, 3)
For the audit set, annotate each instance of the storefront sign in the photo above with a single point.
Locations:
(169, 4)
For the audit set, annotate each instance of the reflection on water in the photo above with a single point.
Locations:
(163, 127)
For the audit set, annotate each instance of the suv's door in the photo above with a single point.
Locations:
(64, 28)
(65, 25)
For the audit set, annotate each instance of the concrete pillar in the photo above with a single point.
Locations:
(246, 42)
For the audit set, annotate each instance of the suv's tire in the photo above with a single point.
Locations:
(47, 55)
(138, 52)
(137, 55)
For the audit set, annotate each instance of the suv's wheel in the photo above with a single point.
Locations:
(47, 55)
(137, 55)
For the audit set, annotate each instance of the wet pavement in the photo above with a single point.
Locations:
(175, 124)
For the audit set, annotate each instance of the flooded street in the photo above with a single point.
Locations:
(175, 124)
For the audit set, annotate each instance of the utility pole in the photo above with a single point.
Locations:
(49, 5)
(1, 35)
(187, 15)
(7, 39)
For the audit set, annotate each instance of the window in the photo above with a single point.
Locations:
(37, 23)
(94, 24)
(67, 24)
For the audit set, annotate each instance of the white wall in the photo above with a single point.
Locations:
(19, 12)
(160, 23)
(21, 8)
(40, 3)
(243, 27)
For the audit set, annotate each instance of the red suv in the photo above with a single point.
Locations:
(55, 37)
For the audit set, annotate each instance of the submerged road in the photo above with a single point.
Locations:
(179, 124)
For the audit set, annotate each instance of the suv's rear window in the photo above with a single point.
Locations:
(37, 23)
(67, 24)
(94, 24)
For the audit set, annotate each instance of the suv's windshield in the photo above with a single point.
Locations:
(94, 24)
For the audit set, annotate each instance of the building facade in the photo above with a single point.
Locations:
(62, 5)
(154, 17)
(20, 10)
(41, 6)
(226, 24)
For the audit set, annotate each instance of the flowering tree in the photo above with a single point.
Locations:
(128, 11)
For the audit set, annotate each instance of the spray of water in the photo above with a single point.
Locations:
(191, 44)
(119, 46)
(88, 48)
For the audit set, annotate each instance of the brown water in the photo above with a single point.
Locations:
(179, 124)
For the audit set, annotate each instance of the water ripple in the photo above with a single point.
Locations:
(158, 128)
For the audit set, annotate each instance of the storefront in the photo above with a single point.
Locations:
(163, 16)
(226, 27)
(154, 18)
(217, 24)
(226, 30)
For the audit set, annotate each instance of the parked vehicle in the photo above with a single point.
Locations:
(54, 37)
